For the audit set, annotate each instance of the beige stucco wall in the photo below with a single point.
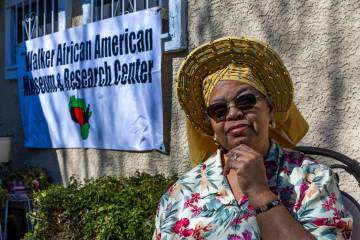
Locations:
(319, 42)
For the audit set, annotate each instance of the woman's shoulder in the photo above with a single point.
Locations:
(191, 181)
(315, 198)
(303, 167)
(208, 167)
(295, 158)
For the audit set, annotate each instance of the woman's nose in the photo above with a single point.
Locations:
(234, 112)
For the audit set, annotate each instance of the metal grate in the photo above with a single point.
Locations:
(30, 19)
(102, 9)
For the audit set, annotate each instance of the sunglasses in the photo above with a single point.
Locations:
(218, 111)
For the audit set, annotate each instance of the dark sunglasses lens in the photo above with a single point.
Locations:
(217, 111)
(245, 102)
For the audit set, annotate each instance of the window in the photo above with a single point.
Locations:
(174, 16)
(108, 8)
(24, 20)
(102, 9)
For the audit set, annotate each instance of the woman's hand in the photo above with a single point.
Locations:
(250, 170)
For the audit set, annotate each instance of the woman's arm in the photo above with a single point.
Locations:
(277, 223)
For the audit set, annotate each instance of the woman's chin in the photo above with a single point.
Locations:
(236, 141)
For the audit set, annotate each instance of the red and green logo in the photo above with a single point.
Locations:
(80, 114)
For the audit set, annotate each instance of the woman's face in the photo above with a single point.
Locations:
(249, 126)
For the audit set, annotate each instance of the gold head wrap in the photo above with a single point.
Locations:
(239, 59)
(233, 72)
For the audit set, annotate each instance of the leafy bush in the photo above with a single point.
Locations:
(104, 208)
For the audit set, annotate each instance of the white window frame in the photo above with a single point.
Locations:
(64, 20)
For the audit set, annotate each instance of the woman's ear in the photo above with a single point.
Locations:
(270, 105)
(207, 119)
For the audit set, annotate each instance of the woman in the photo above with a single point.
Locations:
(239, 92)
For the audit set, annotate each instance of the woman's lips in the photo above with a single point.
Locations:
(237, 129)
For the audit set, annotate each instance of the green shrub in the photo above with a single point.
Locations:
(105, 208)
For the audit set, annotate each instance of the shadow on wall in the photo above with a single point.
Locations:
(272, 27)
(335, 75)
(213, 27)
(335, 46)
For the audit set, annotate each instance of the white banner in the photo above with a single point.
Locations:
(94, 86)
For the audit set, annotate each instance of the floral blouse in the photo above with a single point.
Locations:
(201, 205)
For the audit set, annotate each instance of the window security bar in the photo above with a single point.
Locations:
(25, 20)
(33, 18)
(30, 24)
(175, 16)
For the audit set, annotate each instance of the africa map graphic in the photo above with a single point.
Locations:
(80, 114)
